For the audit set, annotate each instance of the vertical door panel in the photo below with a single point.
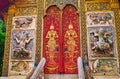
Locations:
(71, 39)
(51, 42)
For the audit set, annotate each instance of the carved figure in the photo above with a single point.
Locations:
(23, 22)
(102, 43)
(51, 35)
(70, 43)
(21, 50)
(94, 66)
(51, 44)
(106, 68)
(100, 18)
(71, 35)
(20, 66)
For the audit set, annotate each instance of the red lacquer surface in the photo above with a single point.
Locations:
(61, 40)
(71, 39)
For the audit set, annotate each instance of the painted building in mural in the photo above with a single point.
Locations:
(60, 31)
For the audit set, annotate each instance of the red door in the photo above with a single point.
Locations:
(61, 40)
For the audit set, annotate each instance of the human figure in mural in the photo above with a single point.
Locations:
(52, 46)
(51, 35)
(70, 35)
(21, 50)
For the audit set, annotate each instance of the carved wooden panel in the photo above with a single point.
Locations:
(84, 37)
(71, 38)
(21, 11)
(117, 28)
(83, 27)
(40, 6)
(7, 46)
(25, 1)
(93, 6)
(61, 3)
(62, 25)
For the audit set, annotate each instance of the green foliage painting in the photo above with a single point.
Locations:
(2, 41)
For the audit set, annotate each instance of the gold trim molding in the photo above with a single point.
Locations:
(115, 5)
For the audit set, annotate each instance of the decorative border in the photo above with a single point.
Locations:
(25, 1)
(7, 46)
(96, 5)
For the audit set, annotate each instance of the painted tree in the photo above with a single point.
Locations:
(2, 41)
(2, 32)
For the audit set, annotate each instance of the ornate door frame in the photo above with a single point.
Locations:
(64, 42)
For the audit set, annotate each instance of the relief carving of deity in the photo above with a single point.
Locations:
(51, 45)
(71, 35)
(51, 35)
(101, 42)
(22, 45)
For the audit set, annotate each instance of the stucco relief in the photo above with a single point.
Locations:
(22, 44)
(101, 42)
(104, 67)
(26, 22)
(20, 67)
(100, 19)
(22, 47)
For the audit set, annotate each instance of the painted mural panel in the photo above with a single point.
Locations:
(104, 67)
(101, 42)
(24, 22)
(100, 19)
(20, 67)
(51, 40)
(22, 46)
(71, 39)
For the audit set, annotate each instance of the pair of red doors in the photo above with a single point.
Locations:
(61, 40)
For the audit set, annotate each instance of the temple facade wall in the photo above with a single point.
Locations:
(97, 19)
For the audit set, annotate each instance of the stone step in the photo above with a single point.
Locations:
(61, 76)
(106, 77)
(13, 77)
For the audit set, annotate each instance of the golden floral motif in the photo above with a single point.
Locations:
(26, 11)
(97, 6)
